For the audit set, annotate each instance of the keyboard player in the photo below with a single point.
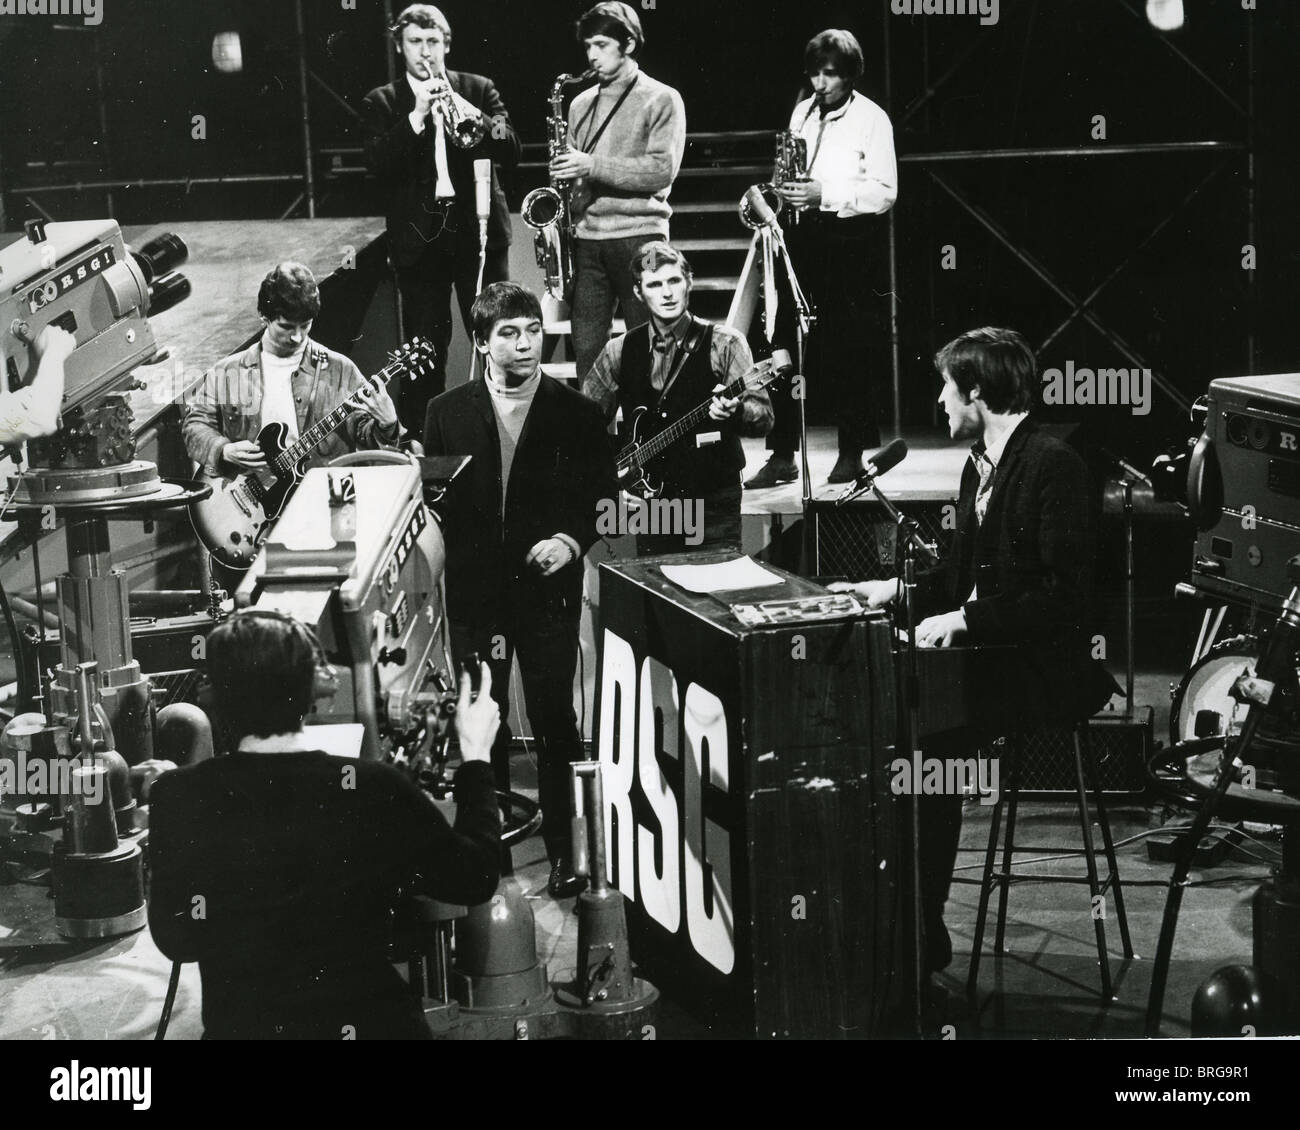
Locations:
(1020, 573)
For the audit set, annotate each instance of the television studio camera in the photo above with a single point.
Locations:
(67, 763)
(1235, 716)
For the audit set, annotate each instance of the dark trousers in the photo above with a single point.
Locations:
(843, 269)
(426, 307)
(721, 528)
(940, 836)
(545, 636)
(603, 276)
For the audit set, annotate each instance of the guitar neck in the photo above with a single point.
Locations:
(328, 424)
(680, 427)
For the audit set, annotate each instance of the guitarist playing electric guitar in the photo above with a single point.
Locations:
(283, 378)
(679, 372)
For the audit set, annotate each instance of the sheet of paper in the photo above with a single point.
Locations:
(723, 576)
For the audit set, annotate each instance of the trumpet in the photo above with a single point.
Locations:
(464, 129)
(547, 210)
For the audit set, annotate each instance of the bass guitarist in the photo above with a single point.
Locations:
(667, 367)
(284, 377)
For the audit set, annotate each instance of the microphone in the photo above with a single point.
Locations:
(761, 210)
(483, 196)
(1126, 467)
(886, 459)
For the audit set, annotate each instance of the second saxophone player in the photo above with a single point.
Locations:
(626, 139)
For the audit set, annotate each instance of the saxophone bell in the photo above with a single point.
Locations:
(771, 197)
(547, 210)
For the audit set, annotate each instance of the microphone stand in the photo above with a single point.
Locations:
(805, 320)
(909, 542)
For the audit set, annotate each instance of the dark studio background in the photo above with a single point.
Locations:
(1034, 79)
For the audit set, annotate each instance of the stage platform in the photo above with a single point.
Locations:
(930, 473)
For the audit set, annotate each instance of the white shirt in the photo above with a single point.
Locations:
(277, 389)
(851, 152)
(445, 187)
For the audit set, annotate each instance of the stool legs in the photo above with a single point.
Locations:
(990, 854)
(1090, 768)
(1087, 779)
(1090, 860)
(1012, 747)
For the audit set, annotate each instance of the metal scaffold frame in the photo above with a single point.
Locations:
(306, 76)
(1081, 307)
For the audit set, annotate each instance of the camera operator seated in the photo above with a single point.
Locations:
(277, 867)
(33, 411)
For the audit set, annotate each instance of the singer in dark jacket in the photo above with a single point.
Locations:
(518, 523)
(433, 225)
(1019, 574)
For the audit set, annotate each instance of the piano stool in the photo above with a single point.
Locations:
(1086, 780)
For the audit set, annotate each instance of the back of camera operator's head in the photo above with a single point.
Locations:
(262, 668)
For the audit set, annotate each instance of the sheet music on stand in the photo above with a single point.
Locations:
(721, 576)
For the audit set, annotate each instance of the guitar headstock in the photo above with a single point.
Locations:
(769, 370)
(415, 357)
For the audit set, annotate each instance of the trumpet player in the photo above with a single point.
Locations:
(626, 139)
(840, 252)
(424, 133)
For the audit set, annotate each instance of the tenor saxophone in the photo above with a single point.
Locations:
(548, 210)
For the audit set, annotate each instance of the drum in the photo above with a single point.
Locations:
(1203, 707)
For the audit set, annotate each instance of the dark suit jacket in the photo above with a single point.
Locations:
(404, 162)
(1031, 564)
(563, 467)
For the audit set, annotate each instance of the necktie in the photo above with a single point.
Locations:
(984, 465)
(661, 361)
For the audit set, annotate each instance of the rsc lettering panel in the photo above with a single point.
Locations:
(667, 728)
(747, 811)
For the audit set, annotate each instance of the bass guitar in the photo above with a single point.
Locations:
(632, 460)
(234, 519)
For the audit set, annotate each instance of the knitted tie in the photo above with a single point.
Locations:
(984, 465)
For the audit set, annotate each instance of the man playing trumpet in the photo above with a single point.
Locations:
(424, 133)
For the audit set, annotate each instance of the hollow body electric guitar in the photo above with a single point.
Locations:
(632, 460)
(234, 520)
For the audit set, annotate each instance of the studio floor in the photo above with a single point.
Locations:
(1045, 986)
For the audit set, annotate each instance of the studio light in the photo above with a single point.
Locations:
(227, 52)
(1165, 15)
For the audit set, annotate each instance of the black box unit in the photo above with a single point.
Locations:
(858, 539)
(1121, 748)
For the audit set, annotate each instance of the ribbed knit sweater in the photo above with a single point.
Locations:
(636, 159)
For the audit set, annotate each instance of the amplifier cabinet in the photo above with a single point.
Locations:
(858, 539)
(1121, 746)
(749, 819)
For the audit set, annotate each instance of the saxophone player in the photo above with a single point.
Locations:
(626, 139)
(840, 250)
(424, 133)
